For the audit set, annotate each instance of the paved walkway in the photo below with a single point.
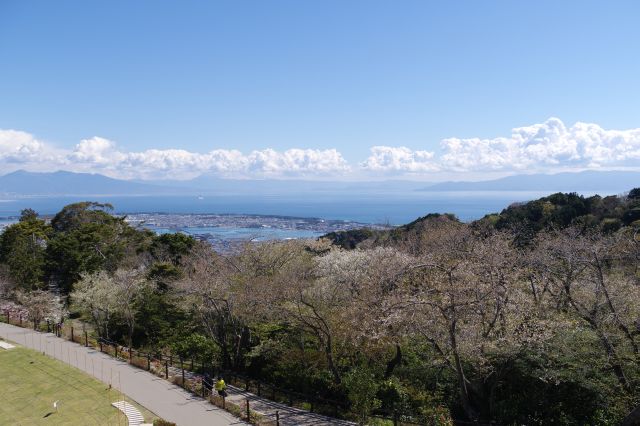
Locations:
(157, 395)
(134, 416)
(289, 416)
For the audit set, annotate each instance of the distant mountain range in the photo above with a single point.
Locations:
(68, 183)
(589, 181)
(22, 183)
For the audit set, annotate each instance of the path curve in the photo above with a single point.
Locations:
(168, 401)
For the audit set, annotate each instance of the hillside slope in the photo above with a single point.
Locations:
(555, 211)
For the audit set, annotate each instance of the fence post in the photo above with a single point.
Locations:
(48, 325)
(86, 339)
(72, 333)
(20, 320)
(8, 317)
(130, 356)
(259, 387)
(166, 369)
(248, 412)
(277, 418)
(100, 345)
(184, 385)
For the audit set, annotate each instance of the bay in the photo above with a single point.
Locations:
(384, 207)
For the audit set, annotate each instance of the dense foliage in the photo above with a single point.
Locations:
(529, 316)
(560, 210)
(22, 250)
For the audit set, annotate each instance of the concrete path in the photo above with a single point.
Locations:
(134, 416)
(289, 416)
(7, 346)
(157, 395)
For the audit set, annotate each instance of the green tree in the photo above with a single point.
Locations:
(86, 239)
(22, 249)
(362, 388)
(172, 247)
(634, 194)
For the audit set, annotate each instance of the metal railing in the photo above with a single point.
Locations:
(186, 373)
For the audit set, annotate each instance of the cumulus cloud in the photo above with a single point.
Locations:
(400, 160)
(19, 147)
(297, 161)
(97, 151)
(96, 154)
(101, 154)
(548, 146)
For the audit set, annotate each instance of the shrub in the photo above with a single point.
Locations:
(176, 380)
(240, 411)
(611, 225)
(139, 362)
(362, 389)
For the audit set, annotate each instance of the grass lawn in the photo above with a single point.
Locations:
(30, 382)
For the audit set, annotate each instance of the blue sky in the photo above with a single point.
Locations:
(324, 81)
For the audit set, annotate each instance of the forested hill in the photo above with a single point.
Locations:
(561, 210)
(557, 211)
(436, 322)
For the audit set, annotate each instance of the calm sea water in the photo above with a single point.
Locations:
(254, 234)
(392, 208)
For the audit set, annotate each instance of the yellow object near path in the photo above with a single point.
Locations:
(221, 385)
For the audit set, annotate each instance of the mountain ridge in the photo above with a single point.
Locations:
(25, 183)
(62, 182)
(559, 182)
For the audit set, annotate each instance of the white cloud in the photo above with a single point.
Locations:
(297, 161)
(97, 151)
(19, 147)
(546, 147)
(399, 160)
(549, 146)
(102, 156)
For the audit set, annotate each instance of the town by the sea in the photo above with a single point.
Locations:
(223, 218)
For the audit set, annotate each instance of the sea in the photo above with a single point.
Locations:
(368, 208)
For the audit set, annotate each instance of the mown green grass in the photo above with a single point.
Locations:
(30, 382)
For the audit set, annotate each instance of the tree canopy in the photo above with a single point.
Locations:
(527, 316)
